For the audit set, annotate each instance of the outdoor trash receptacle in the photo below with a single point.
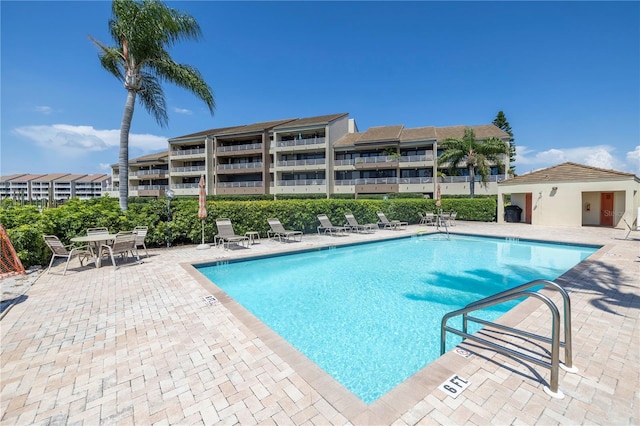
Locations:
(512, 213)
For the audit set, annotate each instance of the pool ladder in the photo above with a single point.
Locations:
(441, 220)
(523, 290)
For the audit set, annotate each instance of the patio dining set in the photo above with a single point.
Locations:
(99, 243)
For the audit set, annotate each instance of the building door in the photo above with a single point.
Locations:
(527, 208)
(606, 209)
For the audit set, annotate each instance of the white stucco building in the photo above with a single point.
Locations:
(571, 194)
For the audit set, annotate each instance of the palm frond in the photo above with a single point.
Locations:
(184, 76)
(152, 98)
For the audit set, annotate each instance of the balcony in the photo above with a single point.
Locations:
(184, 185)
(415, 160)
(248, 187)
(190, 170)
(301, 182)
(300, 142)
(187, 152)
(384, 181)
(239, 168)
(383, 161)
(465, 179)
(154, 173)
(239, 150)
(149, 190)
(311, 164)
(248, 184)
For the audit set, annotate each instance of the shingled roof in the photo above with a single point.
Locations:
(482, 131)
(568, 172)
(311, 121)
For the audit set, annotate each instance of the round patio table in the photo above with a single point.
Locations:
(95, 243)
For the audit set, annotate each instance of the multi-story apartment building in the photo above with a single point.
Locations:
(148, 176)
(315, 155)
(54, 186)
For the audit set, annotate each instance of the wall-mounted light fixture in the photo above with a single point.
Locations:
(555, 188)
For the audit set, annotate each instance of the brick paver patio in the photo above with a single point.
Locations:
(140, 345)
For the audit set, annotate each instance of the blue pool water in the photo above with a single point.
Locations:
(369, 314)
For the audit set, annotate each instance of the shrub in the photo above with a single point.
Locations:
(26, 224)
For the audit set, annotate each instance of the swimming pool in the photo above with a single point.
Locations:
(369, 314)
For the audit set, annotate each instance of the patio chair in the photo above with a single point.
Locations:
(123, 244)
(452, 218)
(327, 226)
(277, 230)
(141, 235)
(390, 224)
(60, 250)
(353, 224)
(430, 218)
(226, 235)
(97, 231)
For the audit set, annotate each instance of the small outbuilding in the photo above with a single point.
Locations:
(572, 194)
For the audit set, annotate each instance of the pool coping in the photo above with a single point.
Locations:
(411, 391)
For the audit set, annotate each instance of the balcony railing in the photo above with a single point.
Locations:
(148, 187)
(184, 185)
(312, 162)
(194, 151)
(249, 184)
(464, 179)
(236, 166)
(188, 169)
(379, 159)
(415, 158)
(299, 142)
(349, 162)
(245, 147)
(301, 182)
(150, 172)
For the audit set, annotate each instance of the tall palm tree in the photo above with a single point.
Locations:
(143, 31)
(476, 156)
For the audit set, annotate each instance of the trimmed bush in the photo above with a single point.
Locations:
(26, 224)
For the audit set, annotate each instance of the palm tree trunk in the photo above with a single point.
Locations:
(123, 158)
(472, 184)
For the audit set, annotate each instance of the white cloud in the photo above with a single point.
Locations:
(182, 111)
(46, 110)
(80, 140)
(633, 157)
(601, 156)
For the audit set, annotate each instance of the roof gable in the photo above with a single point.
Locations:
(567, 172)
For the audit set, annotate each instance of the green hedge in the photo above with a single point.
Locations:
(25, 225)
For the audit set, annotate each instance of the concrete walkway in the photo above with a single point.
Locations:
(141, 345)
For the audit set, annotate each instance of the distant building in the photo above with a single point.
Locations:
(53, 187)
(315, 155)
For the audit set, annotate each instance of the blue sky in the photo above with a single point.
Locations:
(566, 74)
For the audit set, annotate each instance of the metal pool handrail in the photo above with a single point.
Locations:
(515, 293)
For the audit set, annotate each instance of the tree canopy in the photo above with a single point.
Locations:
(476, 156)
(143, 31)
(501, 122)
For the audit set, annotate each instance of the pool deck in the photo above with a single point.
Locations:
(141, 345)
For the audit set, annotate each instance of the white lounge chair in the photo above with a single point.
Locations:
(390, 224)
(327, 226)
(226, 235)
(353, 224)
(278, 231)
